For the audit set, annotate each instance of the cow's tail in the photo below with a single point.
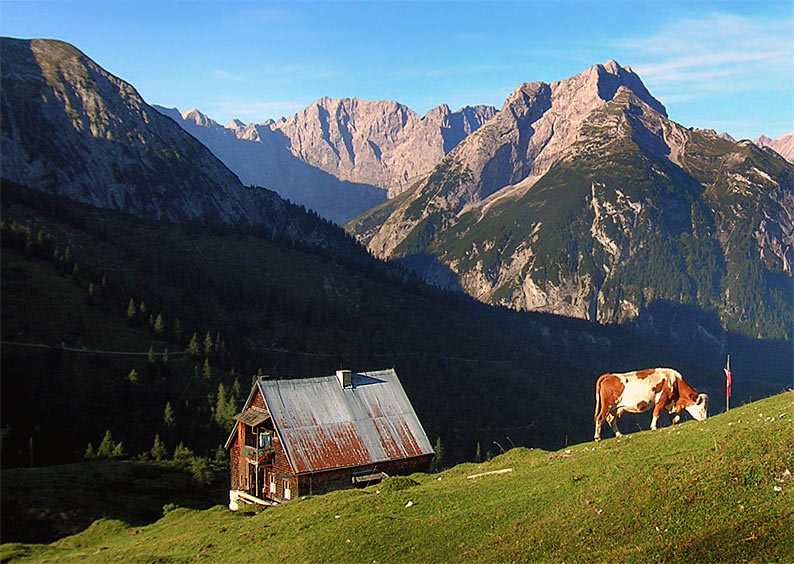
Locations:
(597, 399)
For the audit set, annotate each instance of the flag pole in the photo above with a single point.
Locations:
(728, 382)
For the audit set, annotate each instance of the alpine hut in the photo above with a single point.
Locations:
(314, 435)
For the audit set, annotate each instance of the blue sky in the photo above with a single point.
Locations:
(726, 65)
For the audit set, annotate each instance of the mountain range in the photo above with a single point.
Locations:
(70, 128)
(582, 198)
(340, 157)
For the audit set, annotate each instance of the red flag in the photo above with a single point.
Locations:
(728, 378)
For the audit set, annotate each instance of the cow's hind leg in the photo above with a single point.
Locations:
(599, 421)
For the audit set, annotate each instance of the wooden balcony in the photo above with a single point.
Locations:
(255, 455)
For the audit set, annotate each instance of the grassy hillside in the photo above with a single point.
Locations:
(716, 491)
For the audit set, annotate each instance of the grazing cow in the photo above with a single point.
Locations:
(635, 392)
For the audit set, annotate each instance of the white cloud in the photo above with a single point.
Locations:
(716, 52)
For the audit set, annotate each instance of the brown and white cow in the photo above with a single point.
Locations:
(635, 392)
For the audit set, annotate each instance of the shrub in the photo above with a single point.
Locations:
(169, 507)
(397, 483)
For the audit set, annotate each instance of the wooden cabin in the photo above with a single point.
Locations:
(314, 435)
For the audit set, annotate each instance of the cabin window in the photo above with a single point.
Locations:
(264, 439)
(287, 493)
(250, 437)
(273, 485)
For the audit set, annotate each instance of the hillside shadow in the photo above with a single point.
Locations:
(431, 270)
(268, 161)
(335, 199)
(760, 367)
(43, 504)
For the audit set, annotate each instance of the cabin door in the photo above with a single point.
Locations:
(269, 484)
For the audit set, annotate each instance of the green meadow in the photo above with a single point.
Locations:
(717, 491)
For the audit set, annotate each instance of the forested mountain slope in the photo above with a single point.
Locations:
(582, 198)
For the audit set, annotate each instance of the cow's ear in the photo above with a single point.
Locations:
(701, 399)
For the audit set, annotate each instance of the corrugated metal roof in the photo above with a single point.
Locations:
(324, 426)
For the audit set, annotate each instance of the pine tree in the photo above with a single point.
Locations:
(168, 415)
(131, 309)
(165, 356)
(159, 451)
(437, 463)
(142, 308)
(118, 451)
(207, 370)
(159, 324)
(182, 454)
(200, 470)
(225, 408)
(208, 346)
(133, 376)
(193, 346)
(107, 446)
(89, 452)
(151, 354)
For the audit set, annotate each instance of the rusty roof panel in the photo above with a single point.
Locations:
(324, 426)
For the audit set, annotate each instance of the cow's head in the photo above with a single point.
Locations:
(699, 409)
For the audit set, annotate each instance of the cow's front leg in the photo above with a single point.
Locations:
(613, 422)
(657, 411)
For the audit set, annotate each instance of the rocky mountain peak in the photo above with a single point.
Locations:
(612, 66)
(522, 95)
(610, 76)
(783, 145)
(438, 114)
(198, 118)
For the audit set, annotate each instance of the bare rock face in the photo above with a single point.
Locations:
(72, 128)
(381, 143)
(339, 157)
(783, 145)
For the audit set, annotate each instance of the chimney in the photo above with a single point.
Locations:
(345, 378)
